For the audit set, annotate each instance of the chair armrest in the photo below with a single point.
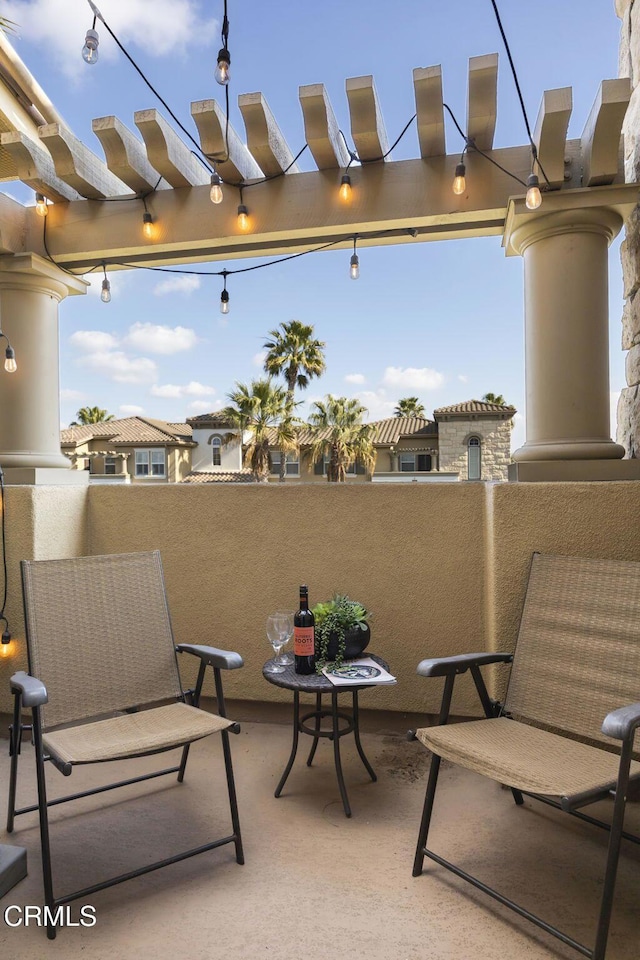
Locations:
(32, 690)
(223, 659)
(621, 724)
(444, 666)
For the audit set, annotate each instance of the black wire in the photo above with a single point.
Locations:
(274, 176)
(458, 127)
(471, 146)
(354, 156)
(4, 552)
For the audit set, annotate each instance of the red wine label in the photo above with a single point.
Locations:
(303, 641)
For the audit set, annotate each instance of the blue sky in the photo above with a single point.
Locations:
(443, 321)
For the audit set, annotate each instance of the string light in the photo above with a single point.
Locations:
(354, 263)
(147, 225)
(243, 217)
(224, 296)
(41, 205)
(534, 197)
(7, 647)
(345, 188)
(10, 364)
(91, 41)
(105, 296)
(459, 182)
(215, 194)
(221, 73)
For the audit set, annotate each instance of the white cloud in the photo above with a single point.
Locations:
(130, 409)
(518, 434)
(413, 378)
(184, 284)
(199, 406)
(357, 378)
(172, 391)
(160, 339)
(614, 396)
(258, 358)
(377, 403)
(117, 366)
(66, 394)
(463, 378)
(58, 26)
(93, 341)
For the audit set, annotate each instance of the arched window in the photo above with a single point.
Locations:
(216, 446)
(473, 458)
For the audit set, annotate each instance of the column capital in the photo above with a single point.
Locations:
(600, 209)
(29, 271)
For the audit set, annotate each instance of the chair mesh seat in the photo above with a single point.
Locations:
(524, 757)
(133, 734)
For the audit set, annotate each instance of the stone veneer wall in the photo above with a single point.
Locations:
(629, 66)
(495, 453)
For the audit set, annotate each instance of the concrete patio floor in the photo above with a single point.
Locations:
(316, 885)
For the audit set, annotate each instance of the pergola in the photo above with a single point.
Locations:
(91, 221)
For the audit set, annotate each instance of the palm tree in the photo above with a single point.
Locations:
(259, 408)
(293, 352)
(409, 407)
(495, 398)
(338, 430)
(87, 415)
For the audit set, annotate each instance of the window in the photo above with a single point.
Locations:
(150, 463)
(415, 462)
(473, 458)
(216, 454)
(291, 464)
(109, 465)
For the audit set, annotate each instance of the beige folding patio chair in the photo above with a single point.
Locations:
(103, 685)
(565, 734)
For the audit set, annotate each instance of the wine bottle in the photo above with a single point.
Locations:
(304, 647)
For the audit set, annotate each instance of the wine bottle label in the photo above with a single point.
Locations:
(303, 641)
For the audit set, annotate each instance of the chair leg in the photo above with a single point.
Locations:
(615, 839)
(14, 747)
(44, 823)
(233, 801)
(183, 762)
(426, 815)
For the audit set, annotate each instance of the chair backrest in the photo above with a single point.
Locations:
(99, 634)
(578, 650)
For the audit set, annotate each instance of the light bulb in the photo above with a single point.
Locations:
(243, 217)
(534, 197)
(224, 301)
(90, 49)
(105, 296)
(10, 364)
(345, 188)
(459, 182)
(215, 194)
(355, 267)
(7, 648)
(41, 205)
(147, 225)
(221, 72)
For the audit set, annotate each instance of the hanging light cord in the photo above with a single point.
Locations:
(6, 633)
(354, 156)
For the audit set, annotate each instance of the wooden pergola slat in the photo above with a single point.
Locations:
(367, 125)
(550, 133)
(35, 167)
(78, 166)
(601, 134)
(211, 123)
(167, 153)
(427, 85)
(321, 128)
(126, 156)
(264, 137)
(482, 100)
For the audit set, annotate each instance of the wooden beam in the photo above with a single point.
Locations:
(601, 135)
(126, 156)
(264, 137)
(321, 128)
(34, 167)
(550, 133)
(167, 153)
(367, 125)
(211, 123)
(482, 99)
(78, 166)
(14, 218)
(427, 85)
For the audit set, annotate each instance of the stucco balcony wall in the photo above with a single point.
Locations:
(442, 566)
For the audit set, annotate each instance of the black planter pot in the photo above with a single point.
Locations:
(356, 641)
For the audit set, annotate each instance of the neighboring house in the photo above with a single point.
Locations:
(132, 450)
(466, 441)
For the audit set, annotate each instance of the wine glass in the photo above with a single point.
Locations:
(275, 637)
(286, 632)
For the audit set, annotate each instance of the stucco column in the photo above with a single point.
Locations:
(30, 290)
(567, 334)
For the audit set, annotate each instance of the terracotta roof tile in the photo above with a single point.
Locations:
(219, 476)
(129, 430)
(474, 407)
(215, 419)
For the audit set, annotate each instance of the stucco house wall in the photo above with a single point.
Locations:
(495, 450)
